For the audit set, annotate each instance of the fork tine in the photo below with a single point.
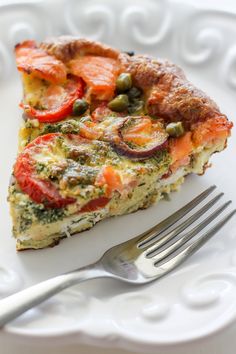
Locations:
(172, 261)
(171, 234)
(155, 231)
(174, 244)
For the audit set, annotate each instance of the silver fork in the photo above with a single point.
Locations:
(140, 260)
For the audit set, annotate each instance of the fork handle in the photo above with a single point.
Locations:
(16, 304)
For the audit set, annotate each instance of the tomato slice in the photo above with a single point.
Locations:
(95, 204)
(39, 190)
(99, 73)
(59, 101)
(33, 60)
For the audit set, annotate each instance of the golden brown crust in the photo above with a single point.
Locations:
(146, 71)
(66, 48)
(169, 94)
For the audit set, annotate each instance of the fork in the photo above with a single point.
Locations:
(140, 260)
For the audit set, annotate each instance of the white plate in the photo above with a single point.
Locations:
(199, 297)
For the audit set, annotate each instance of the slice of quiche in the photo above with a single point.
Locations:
(104, 133)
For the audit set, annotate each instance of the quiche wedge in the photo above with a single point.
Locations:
(104, 133)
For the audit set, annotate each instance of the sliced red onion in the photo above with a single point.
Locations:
(122, 148)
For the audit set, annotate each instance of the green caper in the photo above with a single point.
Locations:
(80, 106)
(119, 103)
(136, 107)
(123, 82)
(134, 92)
(175, 129)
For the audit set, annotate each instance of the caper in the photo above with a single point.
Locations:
(80, 106)
(123, 82)
(175, 129)
(136, 107)
(134, 92)
(119, 103)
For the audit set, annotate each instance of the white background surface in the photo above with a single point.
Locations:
(215, 345)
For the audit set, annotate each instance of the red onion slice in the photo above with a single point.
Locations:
(140, 153)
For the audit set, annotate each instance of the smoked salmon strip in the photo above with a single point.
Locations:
(181, 147)
(33, 60)
(211, 130)
(99, 73)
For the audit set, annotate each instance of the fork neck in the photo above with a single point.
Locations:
(95, 270)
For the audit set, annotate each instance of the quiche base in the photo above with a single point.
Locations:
(75, 224)
(45, 235)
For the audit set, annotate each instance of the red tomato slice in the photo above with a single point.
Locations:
(95, 204)
(33, 60)
(59, 101)
(39, 190)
